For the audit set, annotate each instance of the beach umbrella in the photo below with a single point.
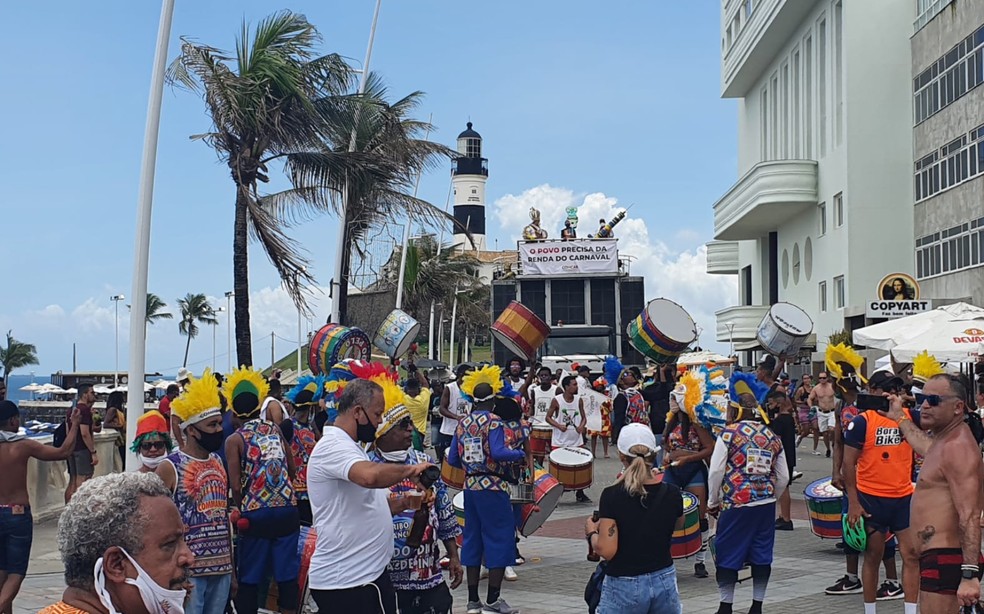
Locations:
(32, 387)
(957, 340)
(887, 335)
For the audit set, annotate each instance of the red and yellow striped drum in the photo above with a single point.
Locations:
(453, 477)
(334, 343)
(520, 330)
(458, 503)
(686, 540)
(662, 331)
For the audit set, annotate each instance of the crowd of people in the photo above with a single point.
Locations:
(251, 495)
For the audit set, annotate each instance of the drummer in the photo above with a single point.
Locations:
(542, 394)
(566, 416)
(517, 437)
(453, 407)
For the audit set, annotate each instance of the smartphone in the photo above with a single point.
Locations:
(872, 401)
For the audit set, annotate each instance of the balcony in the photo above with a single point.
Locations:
(763, 35)
(722, 258)
(767, 196)
(745, 320)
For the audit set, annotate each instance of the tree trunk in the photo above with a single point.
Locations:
(343, 290)
(240, 278)
(187, 347)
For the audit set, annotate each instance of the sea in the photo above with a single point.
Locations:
(18, 381)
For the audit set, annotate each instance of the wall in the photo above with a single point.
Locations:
(46, 481)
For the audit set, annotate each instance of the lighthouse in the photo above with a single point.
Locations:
(469, 173)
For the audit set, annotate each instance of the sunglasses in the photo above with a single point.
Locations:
(404, 423)
(147, 446)
(933, 400)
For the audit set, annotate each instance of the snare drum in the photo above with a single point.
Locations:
(396, 334)
(521, 493)
(662, 331)
(334, 343)
(520, 330)
(454, 477)
(783, 329)
(540, 437)
(547, 492)
(573, 467)
(458, 503)
(823, 501)
(686, 540)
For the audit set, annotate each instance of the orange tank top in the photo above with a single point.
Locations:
(885, 464)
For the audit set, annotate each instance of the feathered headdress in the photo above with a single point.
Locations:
(394, 400)
(244, 388)
(152, 423)
(702, 393)
(199, 401)
(489, 374)
(746, 383)
(925, 366)
(843, 362)
(308, 391)
(507, 391)
(613, 369)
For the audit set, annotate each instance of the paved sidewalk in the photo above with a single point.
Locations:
(552, 580)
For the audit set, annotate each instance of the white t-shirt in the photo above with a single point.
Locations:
(354, 525)
(570, 415)
(456, 405)
(541, 402)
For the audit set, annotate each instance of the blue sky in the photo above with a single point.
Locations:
(600, 104)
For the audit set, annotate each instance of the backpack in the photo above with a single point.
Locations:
(59, 435)
(592, 592)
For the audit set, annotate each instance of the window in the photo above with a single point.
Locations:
(808, 97)
(954, 249)
(473, 148)
(567, 300)
(797, 128)
(823, 296)
(838, 210)
(958, 71)
(822, 219)
(839, 298)
(822, 83)
(956, 162)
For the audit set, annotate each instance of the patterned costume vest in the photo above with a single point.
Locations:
(201, 495)
(750, 472)
(676, 441)
(848, 414)
(265, 479)
(481, 472)
(635, 410)
(301, 446)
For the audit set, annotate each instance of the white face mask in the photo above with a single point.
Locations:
(157, 599)
(396, 456)
(152, 462)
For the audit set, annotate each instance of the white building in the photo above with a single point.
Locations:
(822, 208)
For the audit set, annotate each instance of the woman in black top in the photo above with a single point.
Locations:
(637, 516)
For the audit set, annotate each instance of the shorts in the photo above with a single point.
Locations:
(377, 597)
(826, 420)
(887, 513)
(80, 464)
(939, 570)
(16, 536)
(891, 542)
(745, 535)
(803, 415)
(257, 555)
(684, 476)
(435, 600)
(490, 530)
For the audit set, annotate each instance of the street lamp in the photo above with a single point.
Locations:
(217, 311)
(731, 337)
(229, 296)
(116, 298)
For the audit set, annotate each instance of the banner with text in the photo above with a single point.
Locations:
(580, 256)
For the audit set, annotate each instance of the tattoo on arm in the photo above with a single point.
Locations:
(611, 531)
(919, 440)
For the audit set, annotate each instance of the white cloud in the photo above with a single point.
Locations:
(677, 275)
(92, 317)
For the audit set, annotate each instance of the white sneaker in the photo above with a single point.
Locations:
(485, 573)
(511, 574)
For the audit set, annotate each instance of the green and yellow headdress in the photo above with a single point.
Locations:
(489, 374)
(152, 423)
(244, 388)
(844, 363)
(395, 404)
(199, 401)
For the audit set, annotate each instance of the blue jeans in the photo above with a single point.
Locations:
(659, 455)
(210, 594)
(16, 536)
(652, 593)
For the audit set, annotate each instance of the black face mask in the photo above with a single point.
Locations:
(366, 433)
(212, 442)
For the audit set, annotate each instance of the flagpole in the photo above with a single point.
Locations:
(406, 230)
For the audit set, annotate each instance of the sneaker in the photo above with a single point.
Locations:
(828, 453)
(580, 497)
(796, 475)
(888, 591)
(844, 586)
(799, 440)
(484, 574)
(520, 559)
(817, 453)
(445, 562)
(499, 607)
(474, 607)
(511, 574)
(700, 571)
(784, 525)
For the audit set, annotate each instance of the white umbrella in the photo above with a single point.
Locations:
(162, 384)
(69, 391)
(887, 335)
(51, 389)
(958, 340)
(32, 387)
(102, 389)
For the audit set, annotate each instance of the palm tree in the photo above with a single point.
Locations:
(261, 102)
(15, 355)
(155, 309)
(195, 310)
(431, 276)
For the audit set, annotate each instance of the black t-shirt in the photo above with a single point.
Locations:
(784, 426)
(645, 528)
(657, 395)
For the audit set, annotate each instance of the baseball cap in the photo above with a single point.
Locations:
(636, 434)
(8, 409)
(884, 380)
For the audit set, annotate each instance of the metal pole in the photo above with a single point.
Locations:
(116, 298)
(214, 326)
(229, 296)
(454, 317)
(440, 336)
(337, 281)
(299, 341)
(141, 257)
(273, 348)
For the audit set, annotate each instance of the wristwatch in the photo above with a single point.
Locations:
(969, 574)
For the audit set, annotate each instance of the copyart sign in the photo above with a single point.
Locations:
(898, 296)
(576, 257)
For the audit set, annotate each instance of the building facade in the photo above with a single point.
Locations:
(821, 210)
(948, 149)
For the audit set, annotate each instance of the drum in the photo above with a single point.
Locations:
(520, 330)
(662, 331)
(547, 492)
(521, 493)
(458, 503)
(686, 540)
(783, 329)
(334, 343)
(540, 437)
(452, 476)
(396, 334)
(573, 467)
(823, 501)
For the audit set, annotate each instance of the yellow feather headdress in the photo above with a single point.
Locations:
(689, 393)
(244, 388)
(489, 374)
(925, 366)
(839, 354)
(199, 401)
(395, 404)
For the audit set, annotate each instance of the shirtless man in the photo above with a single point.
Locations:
(822, 396)
(805, 423)
(16, 523)
(946, 507)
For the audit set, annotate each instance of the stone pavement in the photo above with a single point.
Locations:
(553, 578)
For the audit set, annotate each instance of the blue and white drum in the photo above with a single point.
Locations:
(396, 334)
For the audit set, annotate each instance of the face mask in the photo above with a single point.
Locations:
(157, 599)
(152, 461)
(396, 456)
(212, 442)
(366, 433)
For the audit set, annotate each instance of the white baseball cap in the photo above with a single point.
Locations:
(636, 434)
